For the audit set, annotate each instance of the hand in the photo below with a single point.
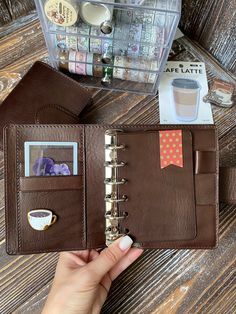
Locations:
(83, 279)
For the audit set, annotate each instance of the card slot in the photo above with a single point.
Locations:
(21, 168)
(67, 233)
(206, 189)
(59, 183)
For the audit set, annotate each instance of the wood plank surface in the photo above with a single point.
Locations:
(161, 281)
(12, 9)
(212, 23)
(5, 16)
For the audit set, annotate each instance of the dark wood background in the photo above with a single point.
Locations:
(210, 22)
(161, 281)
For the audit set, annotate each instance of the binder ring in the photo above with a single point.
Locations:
(111, 199)
(113, 131)
(114, 182)
(114, 164)
(112, 228)
(110, 217)
(114, 237)
(114, 147)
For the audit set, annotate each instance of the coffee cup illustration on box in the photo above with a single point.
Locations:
(186, 95)
(41, 219)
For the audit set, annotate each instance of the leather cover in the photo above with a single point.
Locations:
(167, 208)
(44, 95)
(228, 185)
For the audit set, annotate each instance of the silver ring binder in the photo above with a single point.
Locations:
(112, 218)
(113, 182)
(112, 199)
(114, 147)
(111, 164)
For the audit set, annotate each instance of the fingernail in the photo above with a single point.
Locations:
(125, 243)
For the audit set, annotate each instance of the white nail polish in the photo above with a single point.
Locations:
(125, 243)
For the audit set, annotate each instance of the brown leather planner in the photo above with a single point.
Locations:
(158, 183)
(44, 95)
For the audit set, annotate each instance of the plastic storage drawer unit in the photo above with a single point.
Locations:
(121, 45)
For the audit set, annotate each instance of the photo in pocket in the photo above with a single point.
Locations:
(50, 158)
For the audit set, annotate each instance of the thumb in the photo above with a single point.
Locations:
(109, 257)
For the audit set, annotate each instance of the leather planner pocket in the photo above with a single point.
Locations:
(63, 196)
(160, 202)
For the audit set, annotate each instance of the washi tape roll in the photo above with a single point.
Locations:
(135, 33)
(83, 43)
(98, 71)
(118, 72)
(98, 45)
(61, 12)
(71, 41)
(128, 63)
(60, 41)
(144, 16)
(97, 68)
(95, 45)
(80, 64)
(63, 59)
(148, 34)
(152, 41)
(121, 39)
(124, 16)
(83, 28)
(71, 65)
(58, 36)
(153, 76)
(96, 13)
(107, 46)
(89, 65)
(127, 39)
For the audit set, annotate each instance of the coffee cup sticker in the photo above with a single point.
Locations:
(186, 94)
(41, 219)
(220, 93)
(61, 12)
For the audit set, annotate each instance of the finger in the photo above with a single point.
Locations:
(125, 262)
(73, 259)
(108, 258)
(83, 254)
(93, 255)
(81, 258)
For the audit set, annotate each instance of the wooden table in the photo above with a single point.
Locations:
(161, 281)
